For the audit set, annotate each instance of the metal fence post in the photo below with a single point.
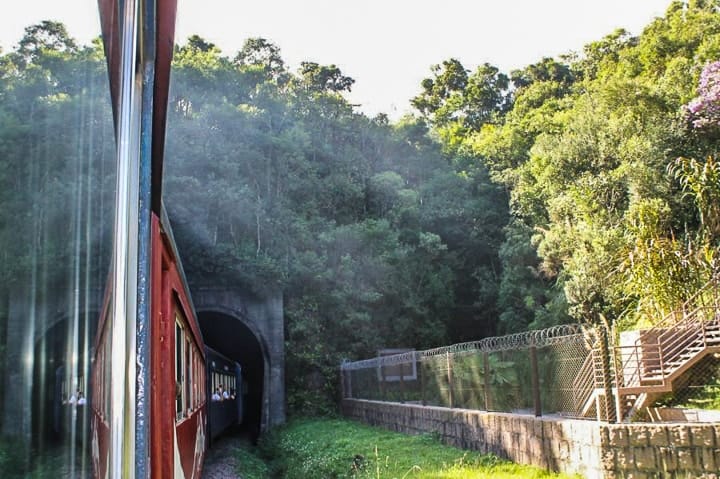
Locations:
(382, 382)
(402, 382)
(348, 384)
(343, 385)
(486, 379)
(449, 378)
(535, 381)
(423, 399)
(609, 403)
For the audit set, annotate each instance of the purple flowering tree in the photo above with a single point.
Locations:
(704, 111)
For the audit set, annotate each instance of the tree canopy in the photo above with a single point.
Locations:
(575, 188)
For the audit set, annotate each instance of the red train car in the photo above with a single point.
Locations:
(178, 397)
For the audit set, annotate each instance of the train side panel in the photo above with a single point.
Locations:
(162, 387)
(178, 427)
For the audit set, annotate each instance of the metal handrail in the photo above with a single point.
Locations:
(673, 338)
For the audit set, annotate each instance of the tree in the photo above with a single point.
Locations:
(262, 55)
(315, 78)
(453, 96)
(43, 39)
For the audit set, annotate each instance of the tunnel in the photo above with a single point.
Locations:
(60, 367)
(231, 337)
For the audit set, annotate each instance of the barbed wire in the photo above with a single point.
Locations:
(538, 338)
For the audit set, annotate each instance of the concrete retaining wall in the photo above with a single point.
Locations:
(661, 450)
(593, 449)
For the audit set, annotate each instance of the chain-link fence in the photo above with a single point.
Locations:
(659, 374)
(536, 372)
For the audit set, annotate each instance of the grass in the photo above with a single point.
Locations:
(250, 465)
(334, 449)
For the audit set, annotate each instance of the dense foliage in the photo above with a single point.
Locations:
(578, 188)
(273, 180)
(609, 158)
(343, 449)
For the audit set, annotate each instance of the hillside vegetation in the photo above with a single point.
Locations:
(580, 188)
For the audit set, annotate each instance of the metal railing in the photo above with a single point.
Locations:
(679, 339)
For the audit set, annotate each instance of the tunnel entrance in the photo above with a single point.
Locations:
(231, 337)
(60, 371)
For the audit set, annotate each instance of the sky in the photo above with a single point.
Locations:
(387, 46)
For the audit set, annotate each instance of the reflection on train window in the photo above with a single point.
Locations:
(105, 378)
(101, 375)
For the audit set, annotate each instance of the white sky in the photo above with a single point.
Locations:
(387, 46)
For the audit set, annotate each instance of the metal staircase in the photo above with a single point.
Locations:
(658, 359)
(650, 369)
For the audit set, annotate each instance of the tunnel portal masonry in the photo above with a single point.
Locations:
(250, 329)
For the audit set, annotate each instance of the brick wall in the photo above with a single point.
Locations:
(592, 449)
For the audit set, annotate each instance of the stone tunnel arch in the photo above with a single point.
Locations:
(37, 343)
(62, 354)
(249, 329)
(261, 316)
(239, 339)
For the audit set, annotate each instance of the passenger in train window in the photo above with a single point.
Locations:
(216, 395)
(225, 395)
(81, 399)
(232, 393)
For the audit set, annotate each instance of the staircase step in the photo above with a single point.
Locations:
(651, 379)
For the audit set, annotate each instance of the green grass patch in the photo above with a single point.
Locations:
(333, 448)
(250, 465)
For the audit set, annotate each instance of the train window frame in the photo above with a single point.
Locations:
(179, 368)
(187, 386)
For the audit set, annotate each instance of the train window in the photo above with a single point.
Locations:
(179, 344)
(200, 383)
(193, 401)
(188, 376)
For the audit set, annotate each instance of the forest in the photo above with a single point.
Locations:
(583, 188)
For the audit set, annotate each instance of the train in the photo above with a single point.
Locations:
(187, 414)
(225, 389)
(158, 395)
